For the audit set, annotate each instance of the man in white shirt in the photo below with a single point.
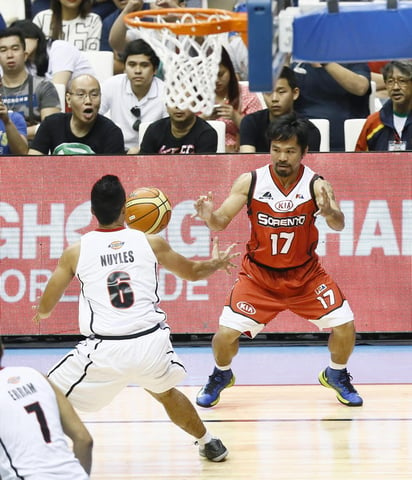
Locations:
(135, 96)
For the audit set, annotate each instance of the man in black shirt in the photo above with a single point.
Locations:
(280, 101)
(181, 133)
(83, 131)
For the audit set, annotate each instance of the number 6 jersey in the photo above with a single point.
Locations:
(117, 271)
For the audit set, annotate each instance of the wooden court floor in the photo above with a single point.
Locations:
(282, 432)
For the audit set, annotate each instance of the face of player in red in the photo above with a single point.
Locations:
(286, 156)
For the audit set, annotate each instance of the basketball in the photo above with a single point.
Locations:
(148, 209)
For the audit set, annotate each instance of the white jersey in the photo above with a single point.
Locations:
(32, 442)
(117, 271)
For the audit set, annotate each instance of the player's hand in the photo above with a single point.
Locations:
(324, 204)
(38, 317)
(204, 207)
(224, 256)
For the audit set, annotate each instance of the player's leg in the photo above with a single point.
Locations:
(323, 303)
(183, 414)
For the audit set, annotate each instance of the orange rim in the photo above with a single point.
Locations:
(237, 22)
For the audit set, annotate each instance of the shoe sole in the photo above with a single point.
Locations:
(215, 402)
(324, 381)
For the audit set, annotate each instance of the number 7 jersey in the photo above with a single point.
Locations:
(283, 231)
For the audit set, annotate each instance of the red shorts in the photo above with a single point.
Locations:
(261, 293)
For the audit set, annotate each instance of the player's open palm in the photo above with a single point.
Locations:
(224, 256)
(204, 206)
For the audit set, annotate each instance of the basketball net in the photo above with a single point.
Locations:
(189, 44)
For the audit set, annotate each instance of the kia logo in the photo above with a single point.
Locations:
(284, 205)
(246, 307)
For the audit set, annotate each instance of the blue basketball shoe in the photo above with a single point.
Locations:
(340, 381)
(209, 395)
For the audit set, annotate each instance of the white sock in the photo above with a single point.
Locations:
(336, 366)
(205, 439)
(225, 368)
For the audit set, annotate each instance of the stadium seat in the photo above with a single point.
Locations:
(352, 128)
(12, 10)
(101, 62)
(323, 127)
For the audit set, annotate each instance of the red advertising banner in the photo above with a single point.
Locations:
(44, 206)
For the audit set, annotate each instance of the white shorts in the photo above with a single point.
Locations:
(249, 327)
(95, 371)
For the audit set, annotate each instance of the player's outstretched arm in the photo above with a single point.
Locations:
(220, 218)
(74, 428)
(58, 282)
(327, 205)
(190, 269)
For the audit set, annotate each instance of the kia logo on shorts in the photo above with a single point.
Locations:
(246, 307)
(284, 205)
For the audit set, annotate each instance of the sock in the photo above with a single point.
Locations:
(205, 439)
(225, 368)
(336, 366)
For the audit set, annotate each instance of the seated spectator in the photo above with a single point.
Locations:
(232, 102)
(181, 133)
(253, 128)
(13, 131)
(56, 60)
(390, 129)
(333, 91)
(83, 130)
(136, 95)
(118, 65)
(32, 96)
(120, 34)
(73, 22)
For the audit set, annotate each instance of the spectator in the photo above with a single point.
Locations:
(390, 129)
(233, 101)
(118, 65)
(120, 34)
(33, 426)
(181, 133)
(253, 128)
(333, 91)
(83, 130)
(13, 132)
(56, 60)
(136, 95)
(73, 22)
(32, 96)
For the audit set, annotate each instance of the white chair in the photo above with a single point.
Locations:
(352, 128)
(218, 125)
(61, 90)
(324, 129)
(12, 10)
(101, 62)
(220, 128)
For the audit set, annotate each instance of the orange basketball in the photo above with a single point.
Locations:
(148, 209)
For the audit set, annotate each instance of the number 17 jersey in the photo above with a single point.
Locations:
(283, 231)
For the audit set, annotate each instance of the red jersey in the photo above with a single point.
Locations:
(283, 232)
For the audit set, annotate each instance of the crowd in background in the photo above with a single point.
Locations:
(41, 55)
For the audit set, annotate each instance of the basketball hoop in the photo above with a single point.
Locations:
(188, 41)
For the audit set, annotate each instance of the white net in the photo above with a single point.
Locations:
(190, 63)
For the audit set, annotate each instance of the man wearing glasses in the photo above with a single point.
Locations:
(390, 129)
(135, 96)
(83, 130)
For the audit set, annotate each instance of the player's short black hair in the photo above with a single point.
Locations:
(287, 126)
(140, 47)
(108, 198)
